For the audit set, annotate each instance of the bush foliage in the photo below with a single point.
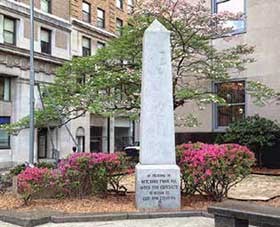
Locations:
(213, 169)
(257, 133)
(81, 174)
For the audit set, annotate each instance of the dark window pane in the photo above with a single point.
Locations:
(86, 52)
(4, 136)
(5, 86)
(232, 92)
(86, 46)
(42, 142)
(230, 114)
(45, 41)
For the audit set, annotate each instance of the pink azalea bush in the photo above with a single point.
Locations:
(89, 173)
(80, 174)
(36, 180)
(213, 169)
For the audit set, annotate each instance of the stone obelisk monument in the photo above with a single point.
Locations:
(157, 175)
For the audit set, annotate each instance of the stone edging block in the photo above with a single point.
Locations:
(30, 221)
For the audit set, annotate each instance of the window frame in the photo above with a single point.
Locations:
(42, 132)
(99, 44)
(214, 9)
(49, 6)
(49, 50)
(9, 137)
(130, 6)
(90, 46)
(9, 87)
(86, 13)
(98, 19)
(121, 4)
(216, 127)
(119, 29)
(14, 30)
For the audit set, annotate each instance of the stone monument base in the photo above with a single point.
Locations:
(158, 187)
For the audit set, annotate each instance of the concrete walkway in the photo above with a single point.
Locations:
(161, 222)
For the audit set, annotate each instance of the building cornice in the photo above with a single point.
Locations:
(45, 18)
(79, 23)
(24, 52)
(18, 57)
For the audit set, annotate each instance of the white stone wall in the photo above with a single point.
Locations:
(263, 32)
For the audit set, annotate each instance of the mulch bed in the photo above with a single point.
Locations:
(110, 203)
(266, 171)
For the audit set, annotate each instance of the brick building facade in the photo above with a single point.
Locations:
(61, 32)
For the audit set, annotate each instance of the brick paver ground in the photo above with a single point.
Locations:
(256, 187)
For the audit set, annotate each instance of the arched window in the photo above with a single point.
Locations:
(80, 137)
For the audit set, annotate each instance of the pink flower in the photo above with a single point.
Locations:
(208, 172)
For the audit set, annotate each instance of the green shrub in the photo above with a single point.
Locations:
(257, 133)
(17, 169)
(47, 165)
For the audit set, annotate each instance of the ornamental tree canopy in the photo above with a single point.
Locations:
(108, 83)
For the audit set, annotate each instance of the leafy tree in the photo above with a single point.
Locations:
(109, 82)
(257, 133)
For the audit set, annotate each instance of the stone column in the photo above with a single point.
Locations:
(157, 175)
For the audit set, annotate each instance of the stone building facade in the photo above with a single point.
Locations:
(94, 22)
(61, 32)
(259, 28)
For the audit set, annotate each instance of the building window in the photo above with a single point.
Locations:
(4, 136)
(86, 46)
(42, 142)
(9, 31)
(80, 137)
(46, 6)
(100, 45)
(45, 41)
(234, 95)
(86, 12)
(119, 25)
(119, 4)
(130, 6)
(232, 6)
(100, 18)
(5, 89)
